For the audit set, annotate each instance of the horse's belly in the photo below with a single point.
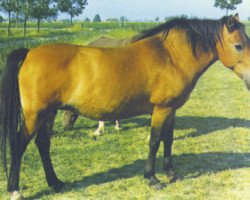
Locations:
(112, 110)
(128, 111)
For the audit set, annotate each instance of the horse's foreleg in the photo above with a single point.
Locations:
(43, 144)
(167, 138)
(160, 115)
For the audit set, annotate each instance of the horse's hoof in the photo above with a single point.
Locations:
(173, 179)
(59, 186)
(157, 186)
(170, 172)
(118, 128)
(67, 128)
(16, 195)
(98, 133)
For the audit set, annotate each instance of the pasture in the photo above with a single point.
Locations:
(211, 150)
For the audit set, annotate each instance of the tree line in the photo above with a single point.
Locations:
(48, 9)
(40, 10)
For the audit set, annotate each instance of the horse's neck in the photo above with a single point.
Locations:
(182, 57)
(174, 53)
(150, 49)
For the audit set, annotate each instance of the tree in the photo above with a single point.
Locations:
(157, 19)
(43, 9)
(17, 12)
(123, 19)
(8, 6)
(1, 19)
(97, 18)
(25, 9)
(87, 19)
(227, 4)
(72, 7)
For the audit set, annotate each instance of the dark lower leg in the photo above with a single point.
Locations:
(167, 162)
(149, 171)
(17, 148)
(167, 138)
(43, 144)
(154, 144)
(160, 115)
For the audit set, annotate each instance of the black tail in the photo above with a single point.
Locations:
(10, 106)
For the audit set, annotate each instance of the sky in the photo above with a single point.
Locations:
(150, 9)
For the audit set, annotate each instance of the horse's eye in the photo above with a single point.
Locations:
(239, 47)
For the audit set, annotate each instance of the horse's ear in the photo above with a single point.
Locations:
(230, 23)
(237, 17)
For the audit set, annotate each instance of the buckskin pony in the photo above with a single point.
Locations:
(155, 74)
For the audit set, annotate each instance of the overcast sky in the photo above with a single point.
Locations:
(150, 9)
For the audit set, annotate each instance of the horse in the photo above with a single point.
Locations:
(68, 117)
(154, 74)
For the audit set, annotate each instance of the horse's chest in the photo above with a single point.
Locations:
(171, 95)
(183, 96)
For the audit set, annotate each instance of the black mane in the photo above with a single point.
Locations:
(202, 34)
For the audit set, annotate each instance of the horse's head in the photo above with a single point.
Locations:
(234, 48)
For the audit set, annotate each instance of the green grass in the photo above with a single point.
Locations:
(59, 28)
(211, 151)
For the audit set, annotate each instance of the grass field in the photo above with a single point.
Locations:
(211, 150)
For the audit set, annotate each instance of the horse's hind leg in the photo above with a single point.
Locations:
(43, 144)
(18, 148)
(167, 138)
